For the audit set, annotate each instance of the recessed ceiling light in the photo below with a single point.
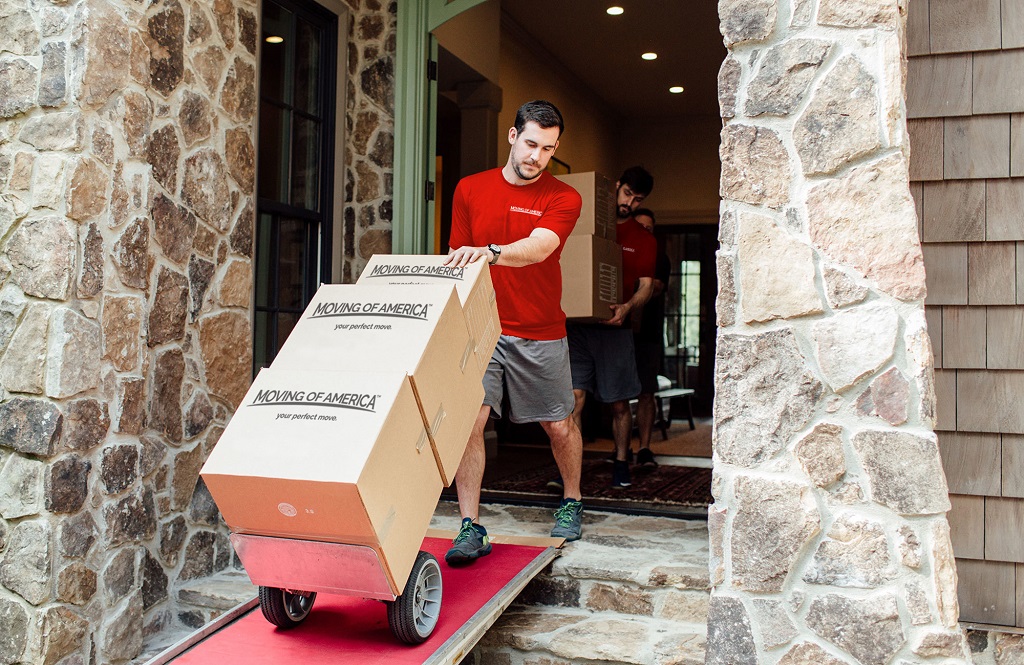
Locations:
(676, 89)
(649, 56)
(615, 11)
(274, 39)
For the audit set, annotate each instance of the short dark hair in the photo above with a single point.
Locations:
(541, 112)
(638, 179)
(646, 212)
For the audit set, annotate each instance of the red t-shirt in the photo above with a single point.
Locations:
(489, 209)
(639, 255)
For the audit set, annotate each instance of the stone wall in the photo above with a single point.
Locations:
(829, 542)
(126, 217)
(126, 220)
(370, 125)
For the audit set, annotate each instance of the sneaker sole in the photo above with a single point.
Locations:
(459, 559)
(569, 538)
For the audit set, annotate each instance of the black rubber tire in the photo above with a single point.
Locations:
(412, 616)
(283, 608)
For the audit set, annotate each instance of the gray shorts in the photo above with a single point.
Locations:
(603, 362)
(536, 375)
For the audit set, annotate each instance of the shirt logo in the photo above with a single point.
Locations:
(538, 213)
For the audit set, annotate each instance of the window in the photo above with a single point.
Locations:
(296, 169)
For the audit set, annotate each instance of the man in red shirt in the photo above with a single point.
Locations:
(517, 218)
(602, 355)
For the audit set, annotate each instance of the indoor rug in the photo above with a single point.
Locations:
(674, 485)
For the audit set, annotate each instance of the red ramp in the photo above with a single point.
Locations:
(355, 630)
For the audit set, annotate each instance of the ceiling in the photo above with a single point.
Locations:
(603, 51)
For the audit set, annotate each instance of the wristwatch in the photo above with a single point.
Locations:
(496, 250)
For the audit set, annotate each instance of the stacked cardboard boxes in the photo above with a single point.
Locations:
(592, 259)
(349, 436)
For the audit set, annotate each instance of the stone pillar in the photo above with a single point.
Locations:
(126, 215)
(479, 103)
(370, 150)
(829, 542)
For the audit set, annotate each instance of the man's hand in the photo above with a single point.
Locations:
(463, 256)
(619, 313)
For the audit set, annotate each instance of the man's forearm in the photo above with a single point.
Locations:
(524, 252)
(643, 293)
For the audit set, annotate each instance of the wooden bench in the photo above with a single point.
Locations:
(663, 404)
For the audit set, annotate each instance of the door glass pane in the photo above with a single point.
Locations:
(261, 340)
(285, 323)
(305, 162)
(273, 148)
(264, 236)
(273, 58)
(292, 264)
(307, 67)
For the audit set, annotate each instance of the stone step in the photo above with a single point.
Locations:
(632, 590)
(218, 592)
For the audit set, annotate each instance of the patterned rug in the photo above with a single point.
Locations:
(674, 485)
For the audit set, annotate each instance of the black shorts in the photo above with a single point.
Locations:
(649, 357)
(603, 362)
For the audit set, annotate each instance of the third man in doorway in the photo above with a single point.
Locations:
(649, 343)
(602, 357)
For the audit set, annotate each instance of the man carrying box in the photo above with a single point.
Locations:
(603, 360)
(517, 218)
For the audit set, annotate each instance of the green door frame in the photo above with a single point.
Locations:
(414, 140)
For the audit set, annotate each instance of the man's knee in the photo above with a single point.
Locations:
(620, 408)
(559, 428)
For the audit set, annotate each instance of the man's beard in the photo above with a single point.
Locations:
(623, 215)
(523, 176)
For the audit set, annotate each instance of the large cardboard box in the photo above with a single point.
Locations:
(419, 330)
(591, 278)
(473, 284)
(597, 217)
(329, 456)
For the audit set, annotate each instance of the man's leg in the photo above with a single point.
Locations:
(567, 447)
(470, 476)
(472, 541)
(580, 398)
(645, 411)
(622, 427)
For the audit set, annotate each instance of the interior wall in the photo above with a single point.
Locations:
(471, 36)
(682, 155)
(591, 127)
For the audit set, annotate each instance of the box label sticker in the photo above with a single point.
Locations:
(392, 270)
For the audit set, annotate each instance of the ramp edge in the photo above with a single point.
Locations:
(455, 648)
(194, 638)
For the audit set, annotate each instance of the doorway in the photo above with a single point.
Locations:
(676, 138)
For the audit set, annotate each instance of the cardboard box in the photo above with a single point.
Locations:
(329, 456)
(597, 216)
(419, 330)
(591, 278)
(473, 284)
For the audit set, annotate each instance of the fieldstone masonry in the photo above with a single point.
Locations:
(829, 543)
(127, 211)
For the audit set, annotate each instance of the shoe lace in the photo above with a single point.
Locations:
(565, 515)
(465, 532)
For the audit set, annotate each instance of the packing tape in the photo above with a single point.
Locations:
(470, 345)
(438, 419)
(422, 441)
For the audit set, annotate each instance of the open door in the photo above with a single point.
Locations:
(415, 115)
